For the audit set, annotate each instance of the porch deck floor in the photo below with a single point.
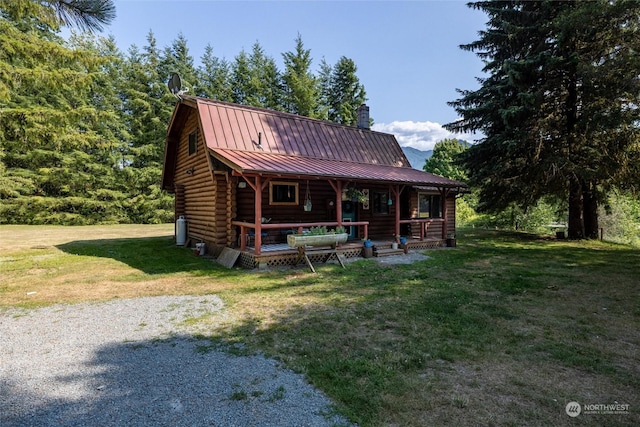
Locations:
(272, 247)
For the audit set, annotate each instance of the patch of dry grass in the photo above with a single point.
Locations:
(41, 265)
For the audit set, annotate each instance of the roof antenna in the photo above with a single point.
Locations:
(175, 86)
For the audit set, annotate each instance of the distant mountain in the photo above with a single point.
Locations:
(416, 157)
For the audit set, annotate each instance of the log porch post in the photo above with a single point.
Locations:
(258, 186)
(258, 215)
(397, 203)
(395, 191)
(444, 192)
(337, 187)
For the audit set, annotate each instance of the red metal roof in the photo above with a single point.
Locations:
(238, 127)
(256, 140)
(278, 164)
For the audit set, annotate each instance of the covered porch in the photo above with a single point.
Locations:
(274, 252)
(271, 196)
(270, 224)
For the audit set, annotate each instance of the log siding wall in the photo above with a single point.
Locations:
(200, 205)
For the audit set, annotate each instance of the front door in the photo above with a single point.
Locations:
(349, 213)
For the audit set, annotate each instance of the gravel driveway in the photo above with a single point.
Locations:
(132, 362)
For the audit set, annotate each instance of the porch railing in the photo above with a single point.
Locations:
(426, 223)
(298, 226)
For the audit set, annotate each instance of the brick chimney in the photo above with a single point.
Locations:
(363, 116)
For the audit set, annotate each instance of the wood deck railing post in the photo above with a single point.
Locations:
(396, 194)
(339, 202)
(337, 187)
(258, 216)
(444, 193)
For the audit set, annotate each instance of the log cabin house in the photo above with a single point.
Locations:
(245, 177)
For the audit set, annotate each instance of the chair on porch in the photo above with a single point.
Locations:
(251, 237)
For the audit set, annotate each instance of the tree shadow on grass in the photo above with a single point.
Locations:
(152, 255)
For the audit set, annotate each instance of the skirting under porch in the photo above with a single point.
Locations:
(282, 256)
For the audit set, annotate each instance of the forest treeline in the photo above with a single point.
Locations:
(83, 124)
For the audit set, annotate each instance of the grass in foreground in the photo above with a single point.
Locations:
(504, 330)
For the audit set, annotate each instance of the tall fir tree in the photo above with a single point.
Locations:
(345, 92)
(558, 107)
(325, 82)
(177, 59)
(214, 77)
(256, 80)
(301, 86)
(265, 89)
(107, 97)
(241, 89)
(148, 107)
(52, 148)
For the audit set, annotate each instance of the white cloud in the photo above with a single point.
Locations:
(419, 135)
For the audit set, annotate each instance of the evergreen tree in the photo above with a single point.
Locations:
(241, 79)
(148, 107)
(558, 108)
(52, 146)
(87, 15)
(107, 97)
(345, 92)
(256, 80)
(301, 86)
(266, 89)
(325, 82)
(177, 59)
(214, 77)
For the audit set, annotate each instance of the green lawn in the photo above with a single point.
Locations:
(506, 329)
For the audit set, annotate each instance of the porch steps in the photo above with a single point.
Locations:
(388, 252)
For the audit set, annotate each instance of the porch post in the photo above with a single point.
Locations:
(337, 187)
(339, 202)
(258, 215)
(444, 193)
(396, 196)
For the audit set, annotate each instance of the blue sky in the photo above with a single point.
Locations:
(407, 53)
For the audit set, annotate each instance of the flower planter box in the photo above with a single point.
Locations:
(300, 240)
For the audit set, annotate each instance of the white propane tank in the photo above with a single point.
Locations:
(181, 231)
